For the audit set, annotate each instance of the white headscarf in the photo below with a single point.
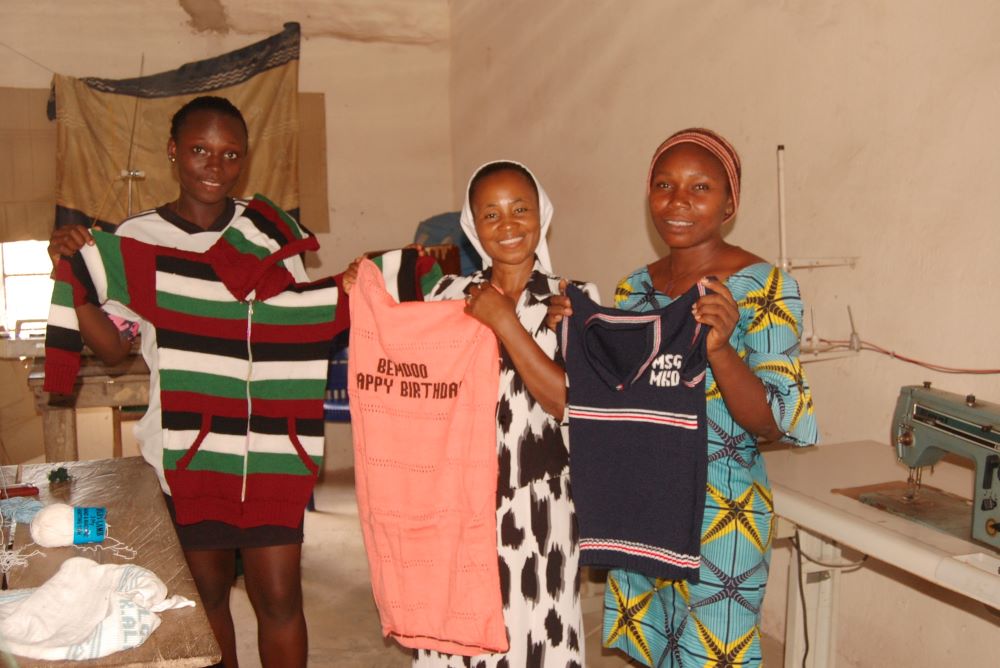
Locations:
(545, 212)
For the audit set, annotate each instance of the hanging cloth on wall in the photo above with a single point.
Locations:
(112, 134)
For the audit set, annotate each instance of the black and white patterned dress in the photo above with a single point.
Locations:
(536, 523)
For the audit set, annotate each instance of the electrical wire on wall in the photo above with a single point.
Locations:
(831, 345)
(802, 599)
(856, 344)
(28, 58)
(818, 345)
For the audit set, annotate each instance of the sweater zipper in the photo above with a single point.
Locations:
(246, 442)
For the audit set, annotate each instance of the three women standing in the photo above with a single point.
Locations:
(755, 390)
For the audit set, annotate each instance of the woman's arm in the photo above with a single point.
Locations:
(102, 335)
(744, 395)
(742, 391)
(545, 380)
(96, 329)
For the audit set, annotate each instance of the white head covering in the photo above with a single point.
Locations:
(545, 212)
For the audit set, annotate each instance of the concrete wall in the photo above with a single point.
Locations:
(890, 115)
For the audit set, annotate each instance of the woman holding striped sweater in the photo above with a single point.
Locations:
(208, 146)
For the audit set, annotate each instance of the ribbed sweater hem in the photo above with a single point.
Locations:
(445, 646)
(60, 378)
(650, 567)
(198, 497)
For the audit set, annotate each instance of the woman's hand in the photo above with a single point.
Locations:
(544, 379)
(351, 274)
(742, 391)
(490, 306)
(719, 311)
(68, 240)
(559, 307)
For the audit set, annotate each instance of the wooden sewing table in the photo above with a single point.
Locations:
(97, 385)
(138, 517)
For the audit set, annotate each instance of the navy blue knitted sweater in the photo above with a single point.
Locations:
(638, 445)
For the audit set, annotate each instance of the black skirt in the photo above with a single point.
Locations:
(215, 535)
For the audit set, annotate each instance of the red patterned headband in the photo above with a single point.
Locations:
(715, 145)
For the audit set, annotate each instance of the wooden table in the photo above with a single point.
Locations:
(98, 385)
(136, 516)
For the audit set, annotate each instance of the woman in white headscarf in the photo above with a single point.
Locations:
(506, 216)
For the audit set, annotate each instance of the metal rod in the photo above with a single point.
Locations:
(783, 260)
(131, 140)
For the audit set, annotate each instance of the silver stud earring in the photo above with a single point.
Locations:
(171, 158)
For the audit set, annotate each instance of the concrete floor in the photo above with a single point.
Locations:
(343, 623)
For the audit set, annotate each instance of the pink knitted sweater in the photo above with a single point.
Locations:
(423, 394)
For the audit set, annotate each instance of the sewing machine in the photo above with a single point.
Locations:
(929, 423)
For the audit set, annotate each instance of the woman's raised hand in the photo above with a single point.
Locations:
(67, 240)
(489, 306)
(719, 311)
(559, 307)
(351, 274)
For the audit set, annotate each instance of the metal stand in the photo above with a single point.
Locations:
(820, 587)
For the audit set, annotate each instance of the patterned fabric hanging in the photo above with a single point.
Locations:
(112, 134)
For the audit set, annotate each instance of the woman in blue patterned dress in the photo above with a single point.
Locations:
(755, 391)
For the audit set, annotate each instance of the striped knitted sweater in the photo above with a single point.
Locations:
(408, 276)
(243, 356)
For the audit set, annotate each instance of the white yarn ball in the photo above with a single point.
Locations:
(53, 525)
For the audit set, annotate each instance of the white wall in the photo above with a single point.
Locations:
(888, 112)
(890, 115)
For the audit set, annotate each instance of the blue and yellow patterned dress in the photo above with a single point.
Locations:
(717, 622)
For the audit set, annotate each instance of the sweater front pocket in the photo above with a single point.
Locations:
(293, 436)
(206, 427)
